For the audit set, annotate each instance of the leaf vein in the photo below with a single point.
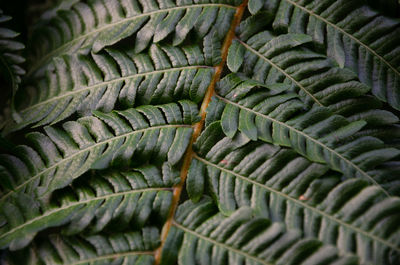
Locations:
(281, 70)
(358, 230)
(84, 150)
(345, 33)
(52, 53)
(349, 162)
(242, 253)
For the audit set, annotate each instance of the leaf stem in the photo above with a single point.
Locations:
(198, 127)
(56, 211)
(112, 257)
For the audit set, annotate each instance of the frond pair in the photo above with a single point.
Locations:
(101, 201)
(282, 119)
(286, 59)
(282, 186)
(81, 84)
(116, 139)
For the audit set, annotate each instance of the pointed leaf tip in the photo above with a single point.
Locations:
(235, 56)
(255, 6)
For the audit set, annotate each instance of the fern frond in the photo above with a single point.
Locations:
(203, 236)
(284, 59)
(121, 139)
(284, 187)
(281, 118)
(353, 34)
(117, 77)
(98, 24)
(125, 200)
(134, 248)
(205, 132)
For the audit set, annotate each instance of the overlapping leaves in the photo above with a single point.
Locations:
(352, 33)
(295, 164)
(129, 199)
(98, 24)
(116, 77)
(281, 118)
(135, 247)
(285, 58)
(209, 237)
(120, 139)
(284, 187)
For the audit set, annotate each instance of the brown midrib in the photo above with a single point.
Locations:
(198, 127)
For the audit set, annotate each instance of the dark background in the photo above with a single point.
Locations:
(24, 13)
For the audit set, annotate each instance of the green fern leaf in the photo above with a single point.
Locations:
(99, 24)
(356, 36)
(282, 119)
(205, 132)
(98, 142)
(271, 59)
(130, 199)
(134, 248)
(211, 238)
(284, 187)
(100, 81)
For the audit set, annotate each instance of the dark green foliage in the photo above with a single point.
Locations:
(126, 199)
(282, 119)
(100, 81)
(297, 161)
(116, 139)
(212, 238)
(130, 247)
(355, 35)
